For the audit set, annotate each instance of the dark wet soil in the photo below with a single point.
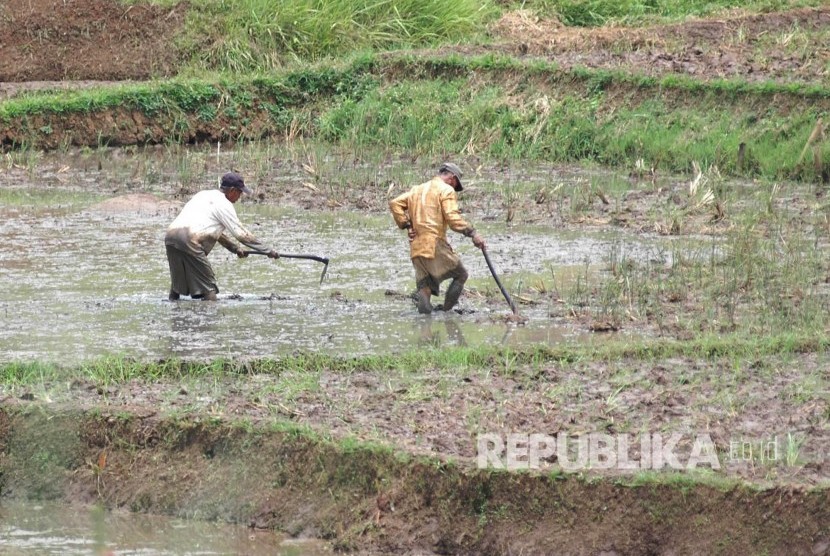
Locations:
(739, 46)
(49, 40)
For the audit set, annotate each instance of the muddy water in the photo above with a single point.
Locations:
(84, 275)
(79, 284)
(40, 529)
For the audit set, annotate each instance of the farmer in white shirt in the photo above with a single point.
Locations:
(207, 218)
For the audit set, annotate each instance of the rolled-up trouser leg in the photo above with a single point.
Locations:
(455, 289)
(424, 301)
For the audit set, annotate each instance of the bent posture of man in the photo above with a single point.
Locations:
(425, 212)
(207, 218)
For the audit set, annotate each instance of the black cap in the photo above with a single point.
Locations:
(232, 180)
(454, 170)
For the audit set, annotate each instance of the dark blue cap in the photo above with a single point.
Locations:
(234, 181)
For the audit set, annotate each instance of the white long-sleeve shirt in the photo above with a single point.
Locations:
(204, 220)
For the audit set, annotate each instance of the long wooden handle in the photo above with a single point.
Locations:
(324, 260)
(498, 283)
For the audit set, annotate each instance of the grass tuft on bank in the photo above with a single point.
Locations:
(120, 370)
(261, 35)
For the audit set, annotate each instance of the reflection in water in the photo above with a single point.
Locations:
(508, 332)
(430, 337)
(192, 323)
(454, 333)
(37, 529)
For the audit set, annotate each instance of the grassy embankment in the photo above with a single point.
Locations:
(359, 495)
(257, 35)
(710, 384)
(493, 107)
(490, 106)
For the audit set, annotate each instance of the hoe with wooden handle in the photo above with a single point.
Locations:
(324, 260)
(499, 284)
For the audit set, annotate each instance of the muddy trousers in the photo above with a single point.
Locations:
(422, 296)
(430, 272)
(454, 292)
(190, 274)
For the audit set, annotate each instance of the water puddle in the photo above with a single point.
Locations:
(40, 529)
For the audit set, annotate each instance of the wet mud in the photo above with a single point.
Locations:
(759, 47)
(109, 273)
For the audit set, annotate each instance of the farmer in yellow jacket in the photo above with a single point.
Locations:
(426, 211)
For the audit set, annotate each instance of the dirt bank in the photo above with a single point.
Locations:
(373, 500)
(779, 46)
(48, 40)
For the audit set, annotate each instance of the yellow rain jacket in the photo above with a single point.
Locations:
(429, 209)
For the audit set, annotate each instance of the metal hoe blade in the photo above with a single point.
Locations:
(325, 269)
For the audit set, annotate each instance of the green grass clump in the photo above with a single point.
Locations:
(256, 35)
(540, 123)
(120, 370)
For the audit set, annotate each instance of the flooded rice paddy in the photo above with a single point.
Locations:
(42, 529)
(84, 275)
